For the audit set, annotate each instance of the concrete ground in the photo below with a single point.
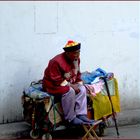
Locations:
(126, 132)
(128, 125)
(21, 130)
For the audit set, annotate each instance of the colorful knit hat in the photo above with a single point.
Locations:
(72, 46)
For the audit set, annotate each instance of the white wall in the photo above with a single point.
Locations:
(33, 32)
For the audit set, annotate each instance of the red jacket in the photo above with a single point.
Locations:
(58, 70)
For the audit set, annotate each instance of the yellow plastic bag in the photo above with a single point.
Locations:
(101, 103)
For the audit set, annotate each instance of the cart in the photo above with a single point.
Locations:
(45, 115)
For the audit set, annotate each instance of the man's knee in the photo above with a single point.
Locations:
(71, 92)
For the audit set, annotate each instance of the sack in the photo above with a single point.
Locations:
(101, 103)
(35, 91)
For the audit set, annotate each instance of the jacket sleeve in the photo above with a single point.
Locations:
(55, 73)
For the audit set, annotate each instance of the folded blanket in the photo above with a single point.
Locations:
(94, 88)
(35, 91)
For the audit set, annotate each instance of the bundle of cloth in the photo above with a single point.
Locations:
(35, 91)
(96, 88)
(93, 81)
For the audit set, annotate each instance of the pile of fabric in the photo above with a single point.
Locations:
(93, 81)
(35, 91)
(96, 88)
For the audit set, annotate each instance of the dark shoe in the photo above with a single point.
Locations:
(85, 119)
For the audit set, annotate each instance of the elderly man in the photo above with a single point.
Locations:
(62, 77)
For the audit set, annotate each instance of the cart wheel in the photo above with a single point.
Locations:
(34, 134)
(47, 136)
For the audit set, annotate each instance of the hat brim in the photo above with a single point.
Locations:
(72, 48)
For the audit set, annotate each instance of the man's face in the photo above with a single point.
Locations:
(73, 55)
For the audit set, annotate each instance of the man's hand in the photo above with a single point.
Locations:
(75, 87)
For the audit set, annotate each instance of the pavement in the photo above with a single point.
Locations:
(128, 126)
(21, 130)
